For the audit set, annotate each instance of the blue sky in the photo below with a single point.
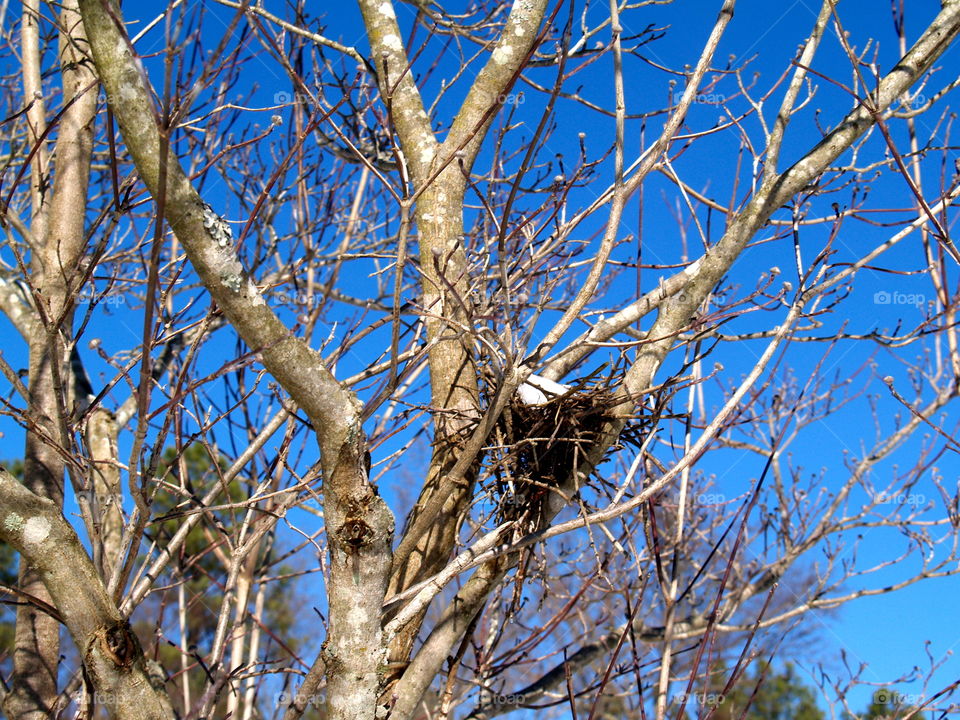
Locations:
(887, 632)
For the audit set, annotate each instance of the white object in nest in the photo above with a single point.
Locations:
(539, 390)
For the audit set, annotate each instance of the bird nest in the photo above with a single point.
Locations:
(539, 447)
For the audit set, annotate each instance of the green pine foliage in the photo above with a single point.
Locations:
(777, 695)
(200, 562)
(8, 577)
(885, 703)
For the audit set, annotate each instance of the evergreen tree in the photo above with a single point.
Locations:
(205, 573)
(781, 695)
(884, 703)
(8, 577)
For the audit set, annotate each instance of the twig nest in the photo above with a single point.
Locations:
(543, 437)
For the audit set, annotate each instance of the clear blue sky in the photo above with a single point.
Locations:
(889, 633)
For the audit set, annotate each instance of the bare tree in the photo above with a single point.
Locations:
(408, 263)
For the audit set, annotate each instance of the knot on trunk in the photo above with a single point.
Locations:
(117, 644)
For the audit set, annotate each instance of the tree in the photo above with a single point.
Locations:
(8, 580)
(770, 695)
(199, 572)
(888, 703)
(423, 265)
(8, 574)
(878, 707)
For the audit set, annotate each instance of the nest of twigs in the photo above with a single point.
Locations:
(542, 445)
